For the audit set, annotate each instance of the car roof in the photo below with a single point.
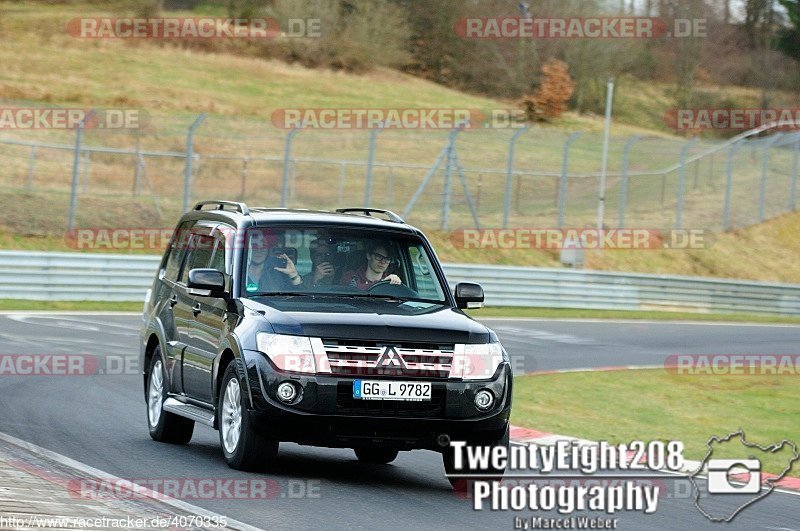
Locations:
(243, 216)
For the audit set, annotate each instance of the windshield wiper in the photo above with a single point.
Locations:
(372, 296)
(281, 294)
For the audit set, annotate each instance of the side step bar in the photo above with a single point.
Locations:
(195, 413)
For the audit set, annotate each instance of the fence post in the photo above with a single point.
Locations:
(187, 171)
(31, 164)
(726, 207)
(245, 162)
(562, 183)
(623, 187)
(389, 187)
(510, 173)
(87, 160)
(793, 191)
(711, 170)
(340, 191)
(137, 167)
(373, 138)
(762, 187)
(682, 182)
(287, 155)
(76, 166)
(448, 173)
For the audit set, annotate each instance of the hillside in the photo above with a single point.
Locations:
(44, 66)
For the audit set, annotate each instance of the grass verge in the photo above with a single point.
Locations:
(567, 313)
(622, 406)
(78, 306)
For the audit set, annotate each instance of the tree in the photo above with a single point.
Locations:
(789, 38)
(550, 99)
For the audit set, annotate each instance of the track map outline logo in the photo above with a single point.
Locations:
(770, 482)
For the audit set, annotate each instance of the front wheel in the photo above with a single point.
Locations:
(243, 446)
(164, 426)
(460, 479)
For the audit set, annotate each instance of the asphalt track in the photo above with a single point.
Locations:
(100, 421)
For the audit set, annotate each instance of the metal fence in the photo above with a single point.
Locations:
(529, 177)
(107, 277)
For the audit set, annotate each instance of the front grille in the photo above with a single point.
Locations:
(414, 360)
(347, 405)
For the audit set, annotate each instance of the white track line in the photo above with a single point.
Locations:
(90, 471)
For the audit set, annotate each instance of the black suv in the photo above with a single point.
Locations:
(332, 329)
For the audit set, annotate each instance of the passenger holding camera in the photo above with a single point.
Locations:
(270, 268)
(322, 267)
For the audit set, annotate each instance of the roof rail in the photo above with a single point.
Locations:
(391, 216)
(240, 207)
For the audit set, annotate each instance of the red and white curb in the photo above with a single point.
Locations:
(522, 435)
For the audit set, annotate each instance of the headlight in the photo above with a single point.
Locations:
(288, 353)
(477, 361)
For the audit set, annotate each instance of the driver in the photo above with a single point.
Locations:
(374, 271)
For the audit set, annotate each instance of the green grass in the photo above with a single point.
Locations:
(558, 313)
(622, 406)
(77, 306)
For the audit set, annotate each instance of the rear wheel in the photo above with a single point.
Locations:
(376, 455)
(243, 446)
(164, 426)
(460, 479)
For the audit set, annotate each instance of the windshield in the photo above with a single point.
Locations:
(338, 262)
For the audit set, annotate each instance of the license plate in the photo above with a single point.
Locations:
(388, 390)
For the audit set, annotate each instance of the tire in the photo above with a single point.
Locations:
(462, 480)
(375, 455)
(244, 447)
(164, 426)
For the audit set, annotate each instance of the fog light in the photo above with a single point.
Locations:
(484, 400)
(287, 391)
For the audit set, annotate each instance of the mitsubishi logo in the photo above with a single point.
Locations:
(391, 358)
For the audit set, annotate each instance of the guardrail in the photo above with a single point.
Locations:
(115, 277)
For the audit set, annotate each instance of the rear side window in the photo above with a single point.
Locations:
(177, 250)
(202, 250)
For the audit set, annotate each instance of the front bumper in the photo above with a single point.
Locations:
(325, 413)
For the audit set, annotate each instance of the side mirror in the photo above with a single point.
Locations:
(469, 295)
(206, 283)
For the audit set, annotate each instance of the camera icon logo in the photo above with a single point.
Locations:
(730, 476)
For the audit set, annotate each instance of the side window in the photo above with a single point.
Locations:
(201, 250)
(426, 284)
(177, 250)
(217, 260)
